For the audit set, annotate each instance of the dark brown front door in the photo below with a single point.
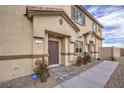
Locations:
(53, 50)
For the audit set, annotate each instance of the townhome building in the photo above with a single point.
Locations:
(60, 33)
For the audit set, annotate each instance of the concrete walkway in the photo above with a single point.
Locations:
(95, 77)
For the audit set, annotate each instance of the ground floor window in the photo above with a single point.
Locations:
(78, 47)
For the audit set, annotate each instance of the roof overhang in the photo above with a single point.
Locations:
(88, 14)
(94, 34)
(97, 36)
(37, 11)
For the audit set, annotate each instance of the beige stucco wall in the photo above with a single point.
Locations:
(10, 69)
(99, 31)
(71, 51)
(116, 52)
(38, 48)
(65, 51)
(15, 39)
(67, 8)
(98, 45)
(15, 31)
(40, 45)
(87, 27)
(41, 23)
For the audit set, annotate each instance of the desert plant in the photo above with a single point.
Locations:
(112, 58)
(86, 58)
(98, 59)
(79, 61)
(41, 69)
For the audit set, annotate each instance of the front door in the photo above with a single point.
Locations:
(53, 50)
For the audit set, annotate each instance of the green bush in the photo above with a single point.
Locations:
(86, 58)
(98, 59)
(112, 58)
(79, 61)
(41, 69)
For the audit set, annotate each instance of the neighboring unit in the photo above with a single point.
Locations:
(59, 33)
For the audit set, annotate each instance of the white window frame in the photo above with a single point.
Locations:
(78, 47)
(78, 16)
(94, 27)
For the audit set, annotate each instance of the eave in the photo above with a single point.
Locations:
(94, 34)
(45, 11)
(97, 36)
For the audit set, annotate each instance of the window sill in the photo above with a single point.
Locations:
(79, 23)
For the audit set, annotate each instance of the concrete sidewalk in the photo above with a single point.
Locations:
(95, 77)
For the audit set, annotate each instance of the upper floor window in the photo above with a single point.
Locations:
(78, 16)
(78, 47)
(94, 27)
(99, 29)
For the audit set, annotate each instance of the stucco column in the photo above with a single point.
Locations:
(46, 44)
(71, 52)
(94, 52)
(65, 51)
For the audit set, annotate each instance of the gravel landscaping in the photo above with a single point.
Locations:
(117, 78)
(27, 82)
(57, 75)
(85, 67)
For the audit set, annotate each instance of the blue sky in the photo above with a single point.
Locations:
(112, 18)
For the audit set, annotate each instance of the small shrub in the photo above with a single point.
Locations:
(98, 59)
(112, 58)
(41, 69)
(86, 58)
(79, 61)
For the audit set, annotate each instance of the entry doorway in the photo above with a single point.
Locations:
(53, 50)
